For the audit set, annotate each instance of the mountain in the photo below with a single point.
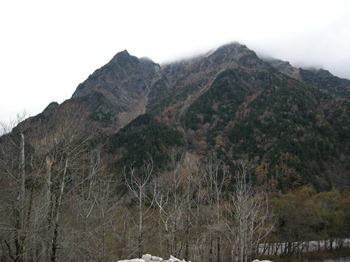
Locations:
(320, 78)
(118, 91)
(292, 123)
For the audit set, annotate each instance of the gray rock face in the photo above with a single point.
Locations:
(285, 67)
(117, 92)
(121, 81)
(123, 72)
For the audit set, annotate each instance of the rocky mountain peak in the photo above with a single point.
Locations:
(122, 55)
(234, 50)
(116, 93)
(123, 58)
(235, 53)
(122, 71)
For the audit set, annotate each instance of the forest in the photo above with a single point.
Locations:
(73, 203)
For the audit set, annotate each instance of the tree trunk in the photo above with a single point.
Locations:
(140, 222)
(44, 245)
(57, 214)
(187, 236)
(211, 250)
(218, 249)
(20, 209)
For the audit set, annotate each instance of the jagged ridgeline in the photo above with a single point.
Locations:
(292, 123)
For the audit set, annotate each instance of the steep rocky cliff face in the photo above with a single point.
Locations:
(117, 92)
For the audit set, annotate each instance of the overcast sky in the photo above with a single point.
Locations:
(48, 47)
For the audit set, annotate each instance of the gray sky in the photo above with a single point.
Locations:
(48, 47)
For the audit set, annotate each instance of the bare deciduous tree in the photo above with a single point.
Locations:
(169, 200)
(217, 177)
(33, 184)
(249, 217)
(13, 168)
(137, 181)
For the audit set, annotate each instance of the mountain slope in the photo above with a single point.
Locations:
(293, 124)
(283, 125)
